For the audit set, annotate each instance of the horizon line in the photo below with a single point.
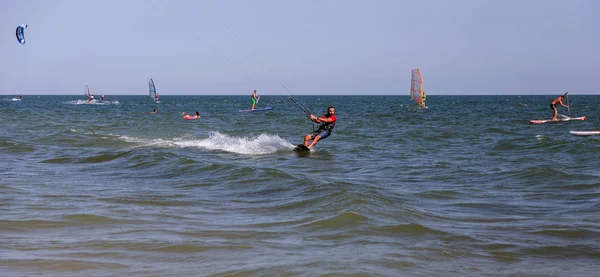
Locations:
(402, 95)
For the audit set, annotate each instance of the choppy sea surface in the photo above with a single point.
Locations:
(466, 187)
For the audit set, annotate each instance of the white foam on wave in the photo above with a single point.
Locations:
(257, 145)
(145, 142)
(93, 102)
(261, 144)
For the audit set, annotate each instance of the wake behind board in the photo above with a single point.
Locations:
(585, 133)
(565, 119)
(256, 110)
(301, 148)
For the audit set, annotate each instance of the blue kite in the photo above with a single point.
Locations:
(21, 33)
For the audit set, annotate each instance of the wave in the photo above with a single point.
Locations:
(59, 266)
(101, 158)
(92, 219)
(343, 220)
(257, 145)
(568, 232)
(33, 224)
(93, 102)
(15, 147)
(148, 201)
(409, 229)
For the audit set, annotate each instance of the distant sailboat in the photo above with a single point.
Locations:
(417, 93)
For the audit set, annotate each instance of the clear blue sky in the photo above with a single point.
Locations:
(318, 47)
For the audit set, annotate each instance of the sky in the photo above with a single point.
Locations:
(312, 47)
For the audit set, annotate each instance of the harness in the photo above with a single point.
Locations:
(328, 127)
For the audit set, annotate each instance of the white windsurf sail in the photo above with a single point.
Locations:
(417, 93)
(152, 90)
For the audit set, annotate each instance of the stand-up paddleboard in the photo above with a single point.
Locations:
(565, 119)
(256, 110)
(585, 133)
(301, 148)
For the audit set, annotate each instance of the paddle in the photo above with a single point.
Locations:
(568, 105)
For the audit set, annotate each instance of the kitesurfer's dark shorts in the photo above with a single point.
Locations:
(552, 107)
(324, 134)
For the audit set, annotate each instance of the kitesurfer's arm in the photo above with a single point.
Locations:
(322, 119)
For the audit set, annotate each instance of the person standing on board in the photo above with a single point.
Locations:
(90, 97)
(254, 99)
(101, 97)
(20, 96)
(327, 124)
(558, 100)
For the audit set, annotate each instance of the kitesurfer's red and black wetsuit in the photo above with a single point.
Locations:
(325, 129)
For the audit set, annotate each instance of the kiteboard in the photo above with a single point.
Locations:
(256, 110)
(585, 133)
(564, 119)
(301, 148)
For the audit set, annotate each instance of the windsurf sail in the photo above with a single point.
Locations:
(152, 89)
(86, 92)
(417, 93)
(20, 32)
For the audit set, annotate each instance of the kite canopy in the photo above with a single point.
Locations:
(21, 33)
